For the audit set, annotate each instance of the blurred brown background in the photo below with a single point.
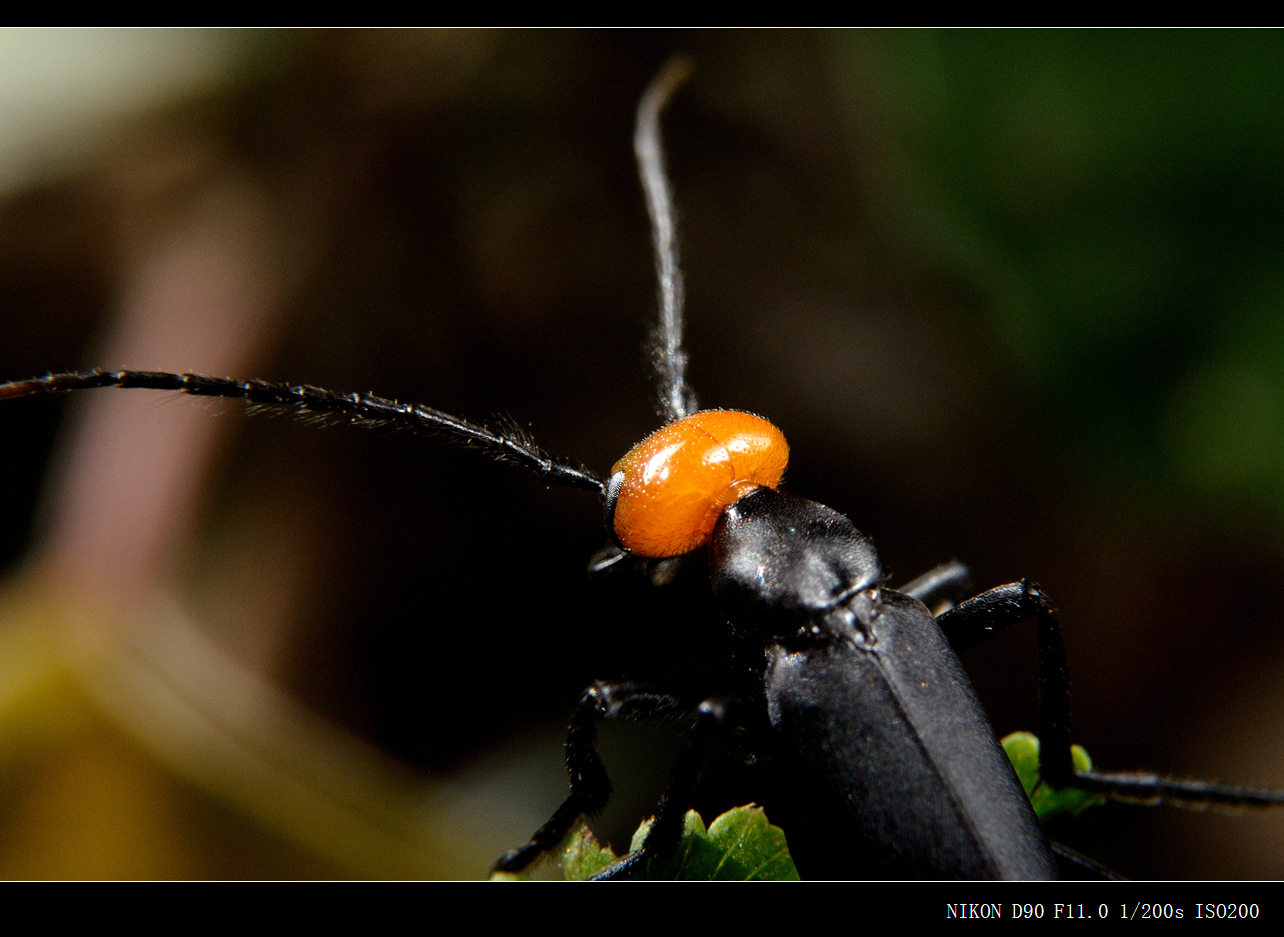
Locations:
(1015, 298)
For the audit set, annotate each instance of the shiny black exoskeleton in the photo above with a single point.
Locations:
(855, 675)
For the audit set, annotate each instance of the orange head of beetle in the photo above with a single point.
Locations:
(665, 496)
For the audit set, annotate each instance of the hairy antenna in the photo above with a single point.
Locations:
(676, 398)
(303, 400)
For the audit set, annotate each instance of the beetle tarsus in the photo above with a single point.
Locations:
(1140, 787)
(1072, 864)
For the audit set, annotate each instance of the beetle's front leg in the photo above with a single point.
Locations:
(712, 721)
(590, 785)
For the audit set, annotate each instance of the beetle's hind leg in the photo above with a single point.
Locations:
(971, 622)
(591, 787)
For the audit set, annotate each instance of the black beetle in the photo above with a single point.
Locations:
(882, 761)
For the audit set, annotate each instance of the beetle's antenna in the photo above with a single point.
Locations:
(676, 398)
(305, 401)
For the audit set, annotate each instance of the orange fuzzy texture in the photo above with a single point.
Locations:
(679, 479)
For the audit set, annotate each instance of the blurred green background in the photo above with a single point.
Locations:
(1014, 297)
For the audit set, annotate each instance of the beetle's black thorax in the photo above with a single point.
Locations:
(886, 763)
(780, 562)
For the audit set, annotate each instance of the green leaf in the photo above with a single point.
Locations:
(582, 855)
(741, 845)
(639, 835)
(753, 845)
(1023, 751)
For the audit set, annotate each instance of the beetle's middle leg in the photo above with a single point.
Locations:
(940, 589)
(971, 622)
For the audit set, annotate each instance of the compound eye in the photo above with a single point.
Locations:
(665, 496)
